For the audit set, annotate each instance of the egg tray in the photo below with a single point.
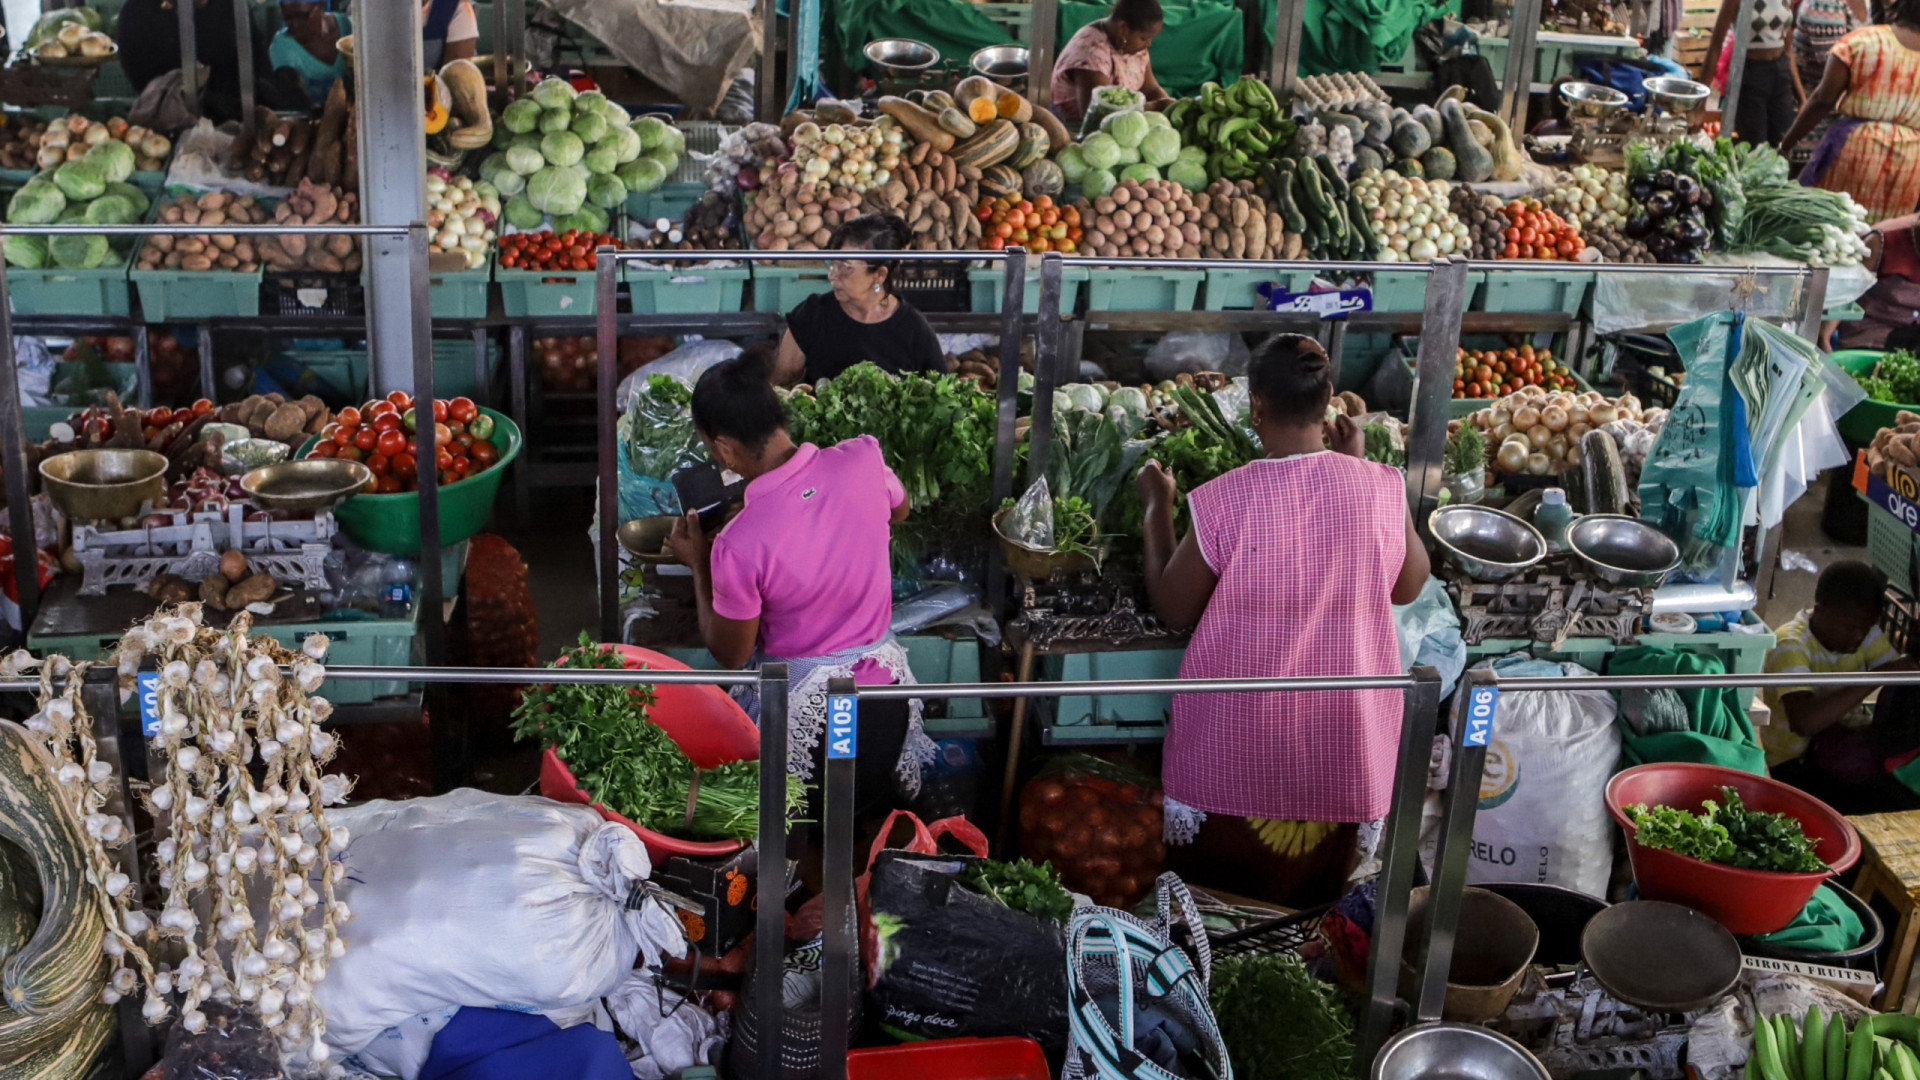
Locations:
(294, 552)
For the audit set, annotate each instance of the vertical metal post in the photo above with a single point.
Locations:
(1522, 35)
(503, 59)
(121, 747)
(143, 365)
(517, 406)
(1473, 718)
(607, 371)
(771, 100)
(1284, 67)
(387, 71)
(189, 55)
(770, 899)
(209, 388)
(13, 459)
(517, 57)
(1336, 348)
(1042, 38)
(1046, 367)
(1742, 33)
(1400, 853)
(838, 799)
(432, 589)
(1433, 385)
(243, 47)
(1013, 285)
(482, 373)
(1813, 305)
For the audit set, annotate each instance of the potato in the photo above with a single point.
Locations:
(253, 590)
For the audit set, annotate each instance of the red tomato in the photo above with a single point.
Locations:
(379, 463)
(484, 453)
(442, 459)
(160, 416)
(366, 439)
(202, 407)
(345, 435)
(325, 448)
(401, 400)
(351, 453)
(391, 442)
(462, 409)
(387, 485)
(349, 416)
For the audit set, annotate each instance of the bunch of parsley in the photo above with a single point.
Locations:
(1730, 835)
(1022, 886)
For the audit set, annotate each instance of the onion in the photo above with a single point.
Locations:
(1539, 435)
(1554, 417)
(1577, 414)
(1576, 431)
(1500, 416)
(1538, 464)
(1512, 456)
(1602, 415)
(1501, 431)
(1526, 417)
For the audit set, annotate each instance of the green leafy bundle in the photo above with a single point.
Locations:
(1277, 1020)
(1730, 835)
(1466, 451)
(1381, 448)
(1092, 458)
(1896, 378)
(629, 764)
(1022, 886)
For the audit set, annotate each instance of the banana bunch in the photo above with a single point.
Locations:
(1879, 1048)
(1291, 838)
(1240, 126)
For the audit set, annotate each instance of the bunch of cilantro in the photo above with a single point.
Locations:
(1021, 885)
(1730, 835)
(1896, 378)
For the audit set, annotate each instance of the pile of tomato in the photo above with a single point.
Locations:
(382, 434)
(549, 250)
(1035, 224)
(1492, 373)
(1535, 232)
(155, 420)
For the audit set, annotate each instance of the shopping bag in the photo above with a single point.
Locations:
(1138, 1004)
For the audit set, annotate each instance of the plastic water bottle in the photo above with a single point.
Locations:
(396, 595)
(1553, 517)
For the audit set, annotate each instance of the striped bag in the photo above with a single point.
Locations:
(1139, 1008)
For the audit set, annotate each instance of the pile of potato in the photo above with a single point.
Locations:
(1226, 233)
(313, 204)
(1158, 219)
(933, 193)
(204, 251)
(1897, 447)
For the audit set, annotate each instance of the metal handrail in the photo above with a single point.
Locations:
(222, 229)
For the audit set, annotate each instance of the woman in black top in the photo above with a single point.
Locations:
(861, 319)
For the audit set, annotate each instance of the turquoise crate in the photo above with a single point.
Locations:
(185, 295)
(342, 374)
(1890, 545)
(670, 200)
(1406, 290)
(459, 294)
(691, 291)
(1241, 288)
(781, 286)
(1111, 717)
(545, 292)
(989, 288)
(1845, 313)
(934, 658)
(1142, 290)
(356, 643)
(38, 419)
(54, 291)
(1532, 290)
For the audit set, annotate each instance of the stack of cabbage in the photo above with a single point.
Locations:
(92, 189)
(1132, 145)
(574, 157)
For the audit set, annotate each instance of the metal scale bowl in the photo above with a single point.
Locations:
(1671, 105)
(1600, 122)
(903, 64)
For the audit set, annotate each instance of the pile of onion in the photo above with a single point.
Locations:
(1538, 432)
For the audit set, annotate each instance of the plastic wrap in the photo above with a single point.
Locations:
(232, 1047)
(1030, 522)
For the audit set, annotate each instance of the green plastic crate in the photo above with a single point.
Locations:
(1891, 546)
(781, 286)
(1536, 290)
(546, 292)
(689, 291)
(343, 373)
(459, 294)
(1240, 288)
(54, 291)
(1142, 290)
(1111, 717)
(670, 200)
(38, 419)
(1742, 653)
(185, 295)
(989, 288)
(1845, 313)
(1406, 290)
(356, 643)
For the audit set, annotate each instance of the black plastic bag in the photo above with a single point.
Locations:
(950, 962)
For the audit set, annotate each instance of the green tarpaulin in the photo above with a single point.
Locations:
(1720, 733)
(1361, 35)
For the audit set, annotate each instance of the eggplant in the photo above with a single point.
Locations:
(1692, 233)
(1665, 179)
(1687, 188)
(1638, 225)
(1660, 205)
(1640, 189)
(1689, 258)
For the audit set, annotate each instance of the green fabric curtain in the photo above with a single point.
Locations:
(1361, 35)
(1721, 733)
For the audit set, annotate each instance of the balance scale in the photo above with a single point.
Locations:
(190, 546)
(1602, 126)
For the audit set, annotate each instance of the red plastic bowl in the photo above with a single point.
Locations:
(1008, 1058)
(702, 720)
(1744, 901)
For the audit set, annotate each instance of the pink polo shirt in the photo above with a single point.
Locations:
(808, 554)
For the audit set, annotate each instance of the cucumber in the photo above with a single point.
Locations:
(1606, 484)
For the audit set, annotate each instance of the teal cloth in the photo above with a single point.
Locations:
(1361, 35)
(285, 52)
(1720, 733)
(1826, 925)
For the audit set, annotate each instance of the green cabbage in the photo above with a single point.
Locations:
(521, 116)
(590, 101)
(562, 148)
(72, 252)
(667, 159)
(607, 191)
(1140, 173)
(1130, 398)
(553, 93)
(642, 174)
(502, 138)
(1127, 128)
(600, 160)
(530, 140)
(1191, 175)
(590, 126)
(80, 180)
(37, 203)
(626, 145)
(74, 214)
(552, 120)
(616, 114)
(588, 218)
(507, 182)
(115, 158)
(1097, 182)
(1158, 121)
(675, 141)
(556, 190)
(495, 162)
(525, 160)
(1100, 151)
(48, 25)
(652, 131)
(1073, 164)
(1086, 396)
(25, 251)
(133, 195)
(521, 214)
(111, 210)
(1161, 147)
(1195, 154)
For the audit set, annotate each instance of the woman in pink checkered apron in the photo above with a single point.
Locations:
(1291, 568)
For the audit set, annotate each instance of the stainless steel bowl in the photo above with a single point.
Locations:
(1623, 550)
(97, 485)
(1003, 64)
(308, 484)
(1488, 544)
(1591, 101)
(1454, 1052)
(901, 57)
(1674, 94)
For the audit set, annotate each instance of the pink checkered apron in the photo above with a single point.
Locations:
(1307, 549)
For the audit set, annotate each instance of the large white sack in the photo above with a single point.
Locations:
(476, 899)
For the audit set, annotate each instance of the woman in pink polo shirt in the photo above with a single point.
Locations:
(801, 574)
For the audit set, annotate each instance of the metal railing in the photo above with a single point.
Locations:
(1400, 847)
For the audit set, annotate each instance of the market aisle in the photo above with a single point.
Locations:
(559, 556)
(1793, 589)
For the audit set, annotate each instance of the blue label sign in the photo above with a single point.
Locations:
(1328, 304)
(1899, 504)
(1480, 707)
(148, 685)
(843, 726)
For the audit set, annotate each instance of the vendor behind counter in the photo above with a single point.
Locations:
(1892, 305)
(862, 319)
(1109, 52)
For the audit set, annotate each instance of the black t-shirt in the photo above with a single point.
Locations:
(834, 341)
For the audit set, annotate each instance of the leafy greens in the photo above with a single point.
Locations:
(1277, 1020)
(1021, 885)
(1896, 378)
(1730, 835)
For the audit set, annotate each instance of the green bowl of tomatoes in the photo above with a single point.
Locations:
(386, 518)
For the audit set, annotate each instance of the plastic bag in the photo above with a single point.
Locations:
(1543, 811)
(686, 363)
(484, 900)
(232, 1047)
(1429, 632)
(1107, 101)
(1030, 522)
(656, 431)
(1194, 351)
(1099, 823)
(671, 1033)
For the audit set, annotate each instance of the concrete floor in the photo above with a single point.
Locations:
(1793, 588)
